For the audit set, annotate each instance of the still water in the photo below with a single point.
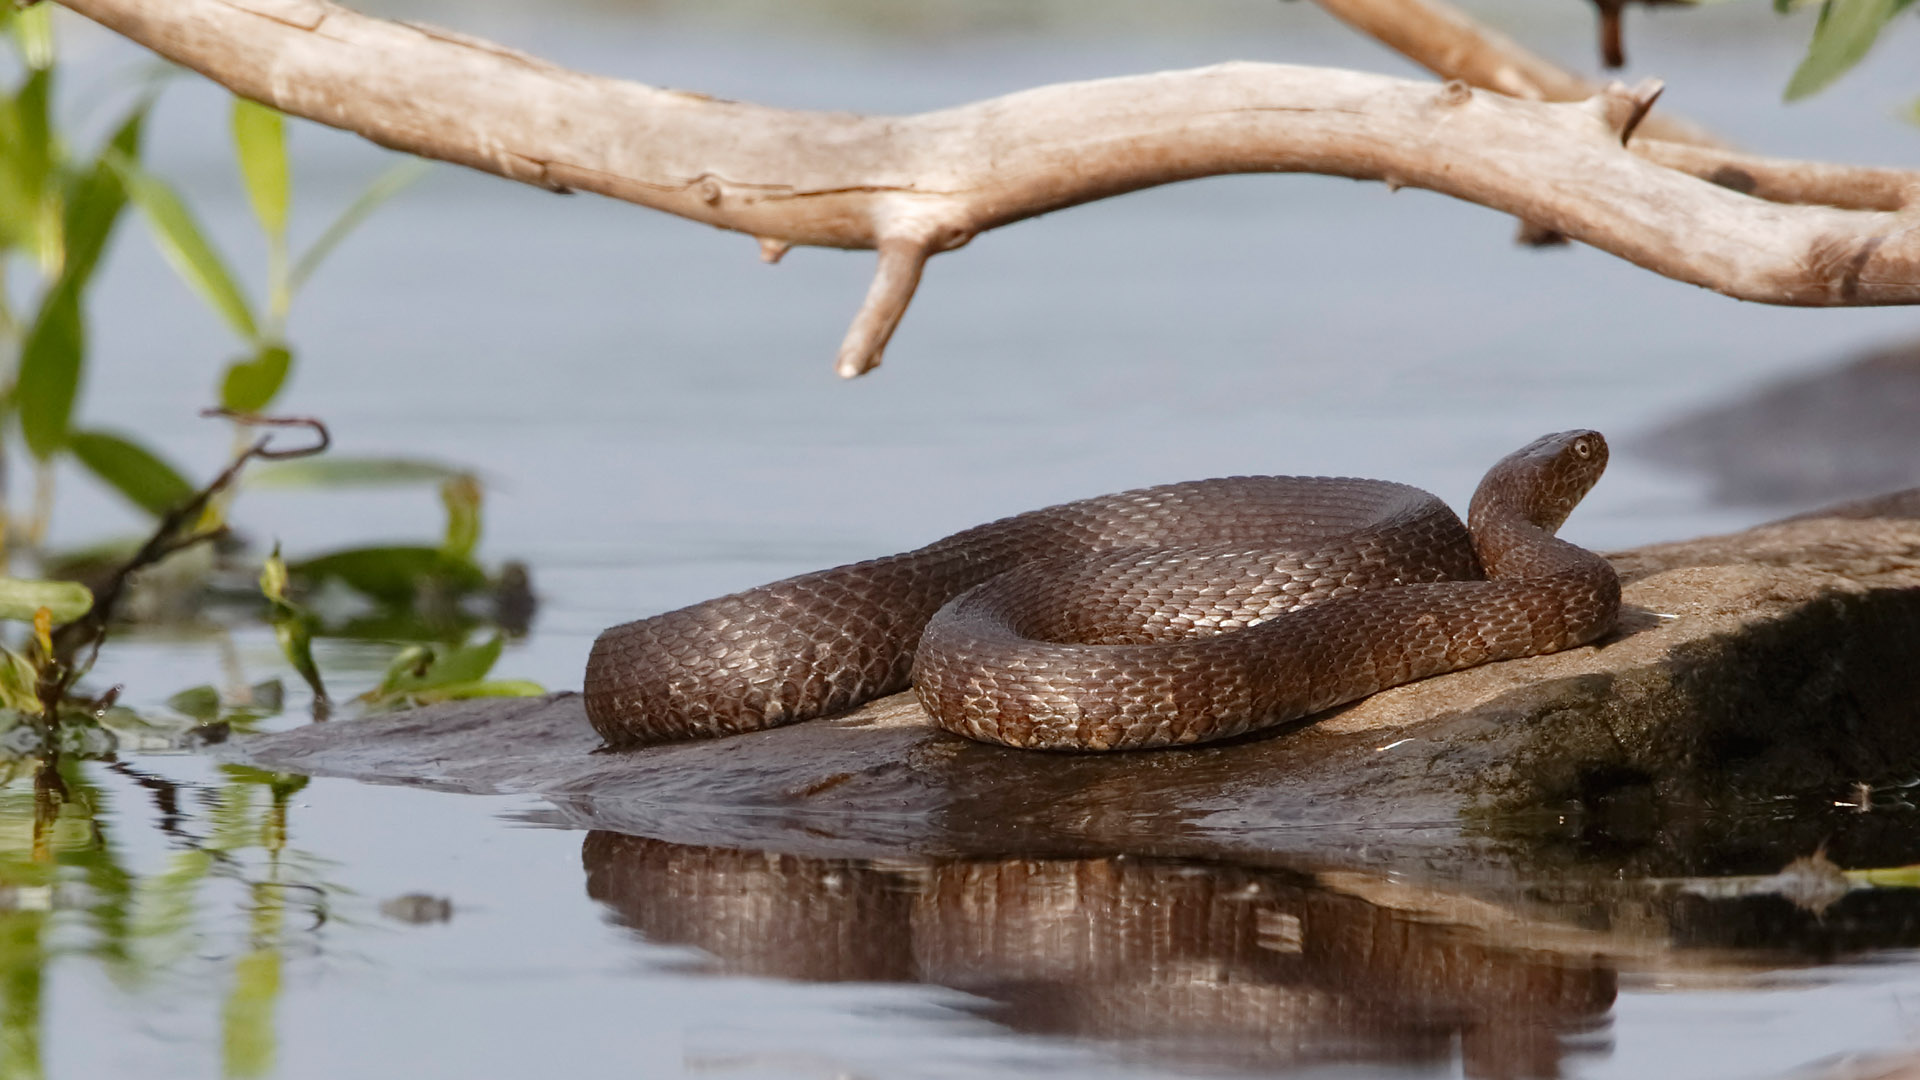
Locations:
(657, 422)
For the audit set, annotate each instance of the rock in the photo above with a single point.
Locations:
(1456, 874)
(1845, 431)
(1775, 661)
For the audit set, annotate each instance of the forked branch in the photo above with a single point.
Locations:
(1445, 41)
(913, 186)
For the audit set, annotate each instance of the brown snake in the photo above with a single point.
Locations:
(1168, 615)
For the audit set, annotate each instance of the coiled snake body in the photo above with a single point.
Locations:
(1168, 615)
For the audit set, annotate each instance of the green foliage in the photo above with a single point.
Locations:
(58, 209)
(97, 197)
(250, 384)
(335, 471)
(19, 682)
(260, 138)
(49, 378)
(423, 674)
(186, 246)
(32, 31)
(28, 181)
(384, 187)
(21, 599)
(396, 573)
(1846, 30)
(461, 496)
(292, 624)
(131, 469)
(54, 352)
(202, 703)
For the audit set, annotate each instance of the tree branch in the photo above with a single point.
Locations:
(917, 185)
(1447, 42)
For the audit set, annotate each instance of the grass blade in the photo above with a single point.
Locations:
(49, 377)
(1847, 29)
(260, 142)
(185, 245)
(384, 187)
(131, 469)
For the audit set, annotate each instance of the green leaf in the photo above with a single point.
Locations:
(33, 29)
(131, 469)
(1846, 30)
(54, 352)
(185, 245)
(33, 102)
(292, 626)
(19, 683)
(260, 141)
(384, 187)
(97, 196)
(421, 667)
(397, 574)
(27, 156)
(351, 472)
(49, 378)
(423, 674)
(461, 496)
(200, 702)
(250, 384)
(487, 688)
(273, 579)
(21, 599)
(17, 198)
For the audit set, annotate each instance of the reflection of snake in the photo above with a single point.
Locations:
(1174, 614)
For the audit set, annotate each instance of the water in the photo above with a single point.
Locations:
(656, 418)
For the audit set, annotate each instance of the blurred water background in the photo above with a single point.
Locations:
(656, 419)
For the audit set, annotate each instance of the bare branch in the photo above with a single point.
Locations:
(1448, 42)
(1806, 183)
(917, 185)
(901, 261)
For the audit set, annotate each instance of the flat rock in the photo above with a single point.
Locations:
(1777, 661)
(1846, 430)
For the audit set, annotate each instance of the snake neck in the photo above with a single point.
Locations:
(1526, 496)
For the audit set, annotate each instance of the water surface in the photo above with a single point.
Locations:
(656, 418)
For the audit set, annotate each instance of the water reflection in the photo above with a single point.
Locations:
(66, 893)
(1169, 959)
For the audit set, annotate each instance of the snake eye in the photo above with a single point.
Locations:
(1582, 448)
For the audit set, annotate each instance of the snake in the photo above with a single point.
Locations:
(1163, 616)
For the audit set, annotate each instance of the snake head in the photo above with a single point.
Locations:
(1542, 481)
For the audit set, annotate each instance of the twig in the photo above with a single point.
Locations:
(177, 531)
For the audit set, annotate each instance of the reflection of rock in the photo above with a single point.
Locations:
(1849, 431)
(419, 909)
(1776, 660)
(1193, 961)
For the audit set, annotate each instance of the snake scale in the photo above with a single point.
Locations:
(1168, 615)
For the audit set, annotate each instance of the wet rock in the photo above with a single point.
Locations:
(1459, 873)
(1846, 431)
(420, 909)
(1769, 662)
